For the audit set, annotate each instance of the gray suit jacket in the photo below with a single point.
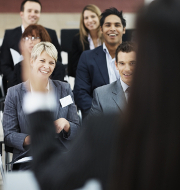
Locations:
(16, 126)
(108, 99)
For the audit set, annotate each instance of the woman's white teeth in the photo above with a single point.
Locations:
(44, 72)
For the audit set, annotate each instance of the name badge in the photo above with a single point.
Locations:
(66, 101)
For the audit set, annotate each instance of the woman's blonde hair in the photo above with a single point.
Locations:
(83, 31)
(48, 47)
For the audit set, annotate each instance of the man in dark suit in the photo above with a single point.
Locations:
(97, 67)
(112, 98)
(30, 14)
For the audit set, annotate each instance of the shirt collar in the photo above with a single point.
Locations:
(124, 85)
(89, 37)
(22, 28)
(105, 49)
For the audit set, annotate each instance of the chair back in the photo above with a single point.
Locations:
(67, 38)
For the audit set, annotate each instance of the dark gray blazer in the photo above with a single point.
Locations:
(16, 126)
(108, 99)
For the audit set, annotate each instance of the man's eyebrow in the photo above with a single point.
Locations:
(112, 23)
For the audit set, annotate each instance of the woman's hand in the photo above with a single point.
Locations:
(61, 124)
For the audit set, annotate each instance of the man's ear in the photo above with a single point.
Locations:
(21, 14)
(116, 65)
(124, 30)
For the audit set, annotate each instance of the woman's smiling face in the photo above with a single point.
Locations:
(44, 65)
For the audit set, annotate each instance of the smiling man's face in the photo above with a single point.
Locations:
(112, 30)
(125, 65)
(31, 13)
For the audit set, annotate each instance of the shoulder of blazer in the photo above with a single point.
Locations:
(60, 84)
(114, 87)
(49, 30)
(96, 51)
(17, 29)
(17, 88)
(13, 33)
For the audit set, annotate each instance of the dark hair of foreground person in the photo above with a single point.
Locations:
(148, 154)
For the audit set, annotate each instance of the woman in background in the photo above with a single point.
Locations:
(34, 34)
(89, 36)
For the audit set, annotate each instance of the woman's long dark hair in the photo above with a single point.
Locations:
(148, 155)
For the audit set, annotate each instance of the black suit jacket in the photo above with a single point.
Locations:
(91, 155)
(91, 73)
(11, 40)
(75, 53)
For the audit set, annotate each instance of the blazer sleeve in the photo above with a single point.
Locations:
(17, 74)
(82, 88)
(6, 58)
(88, 158)
(96, 107)
(75, 54)
(72, 117)
(12, 133)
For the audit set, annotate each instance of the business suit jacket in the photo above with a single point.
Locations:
(11, 40)
(91, 156)
(108, 99)
(75, 53)
(16, 126)
(91, 73)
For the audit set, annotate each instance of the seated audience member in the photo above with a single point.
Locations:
(89, 36)
(144, 152)
(30, 11)
(112, 98)
(15, 125)
(97, 67)
(34, 34)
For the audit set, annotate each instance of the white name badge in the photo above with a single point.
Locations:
(66, 101)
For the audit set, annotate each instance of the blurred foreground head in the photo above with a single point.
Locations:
(148, 154)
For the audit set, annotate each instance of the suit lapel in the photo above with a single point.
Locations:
(118, 95)
(22, 94)
(57, 91)
(100, 59)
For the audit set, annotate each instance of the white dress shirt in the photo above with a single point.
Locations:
(91, 44)
(22, 28)
(112, 71)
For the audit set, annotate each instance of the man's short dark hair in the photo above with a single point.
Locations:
(22, 4)
(112, 11)
(125, 47)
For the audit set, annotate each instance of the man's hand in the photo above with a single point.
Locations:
(27, 141)
(61, 124)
